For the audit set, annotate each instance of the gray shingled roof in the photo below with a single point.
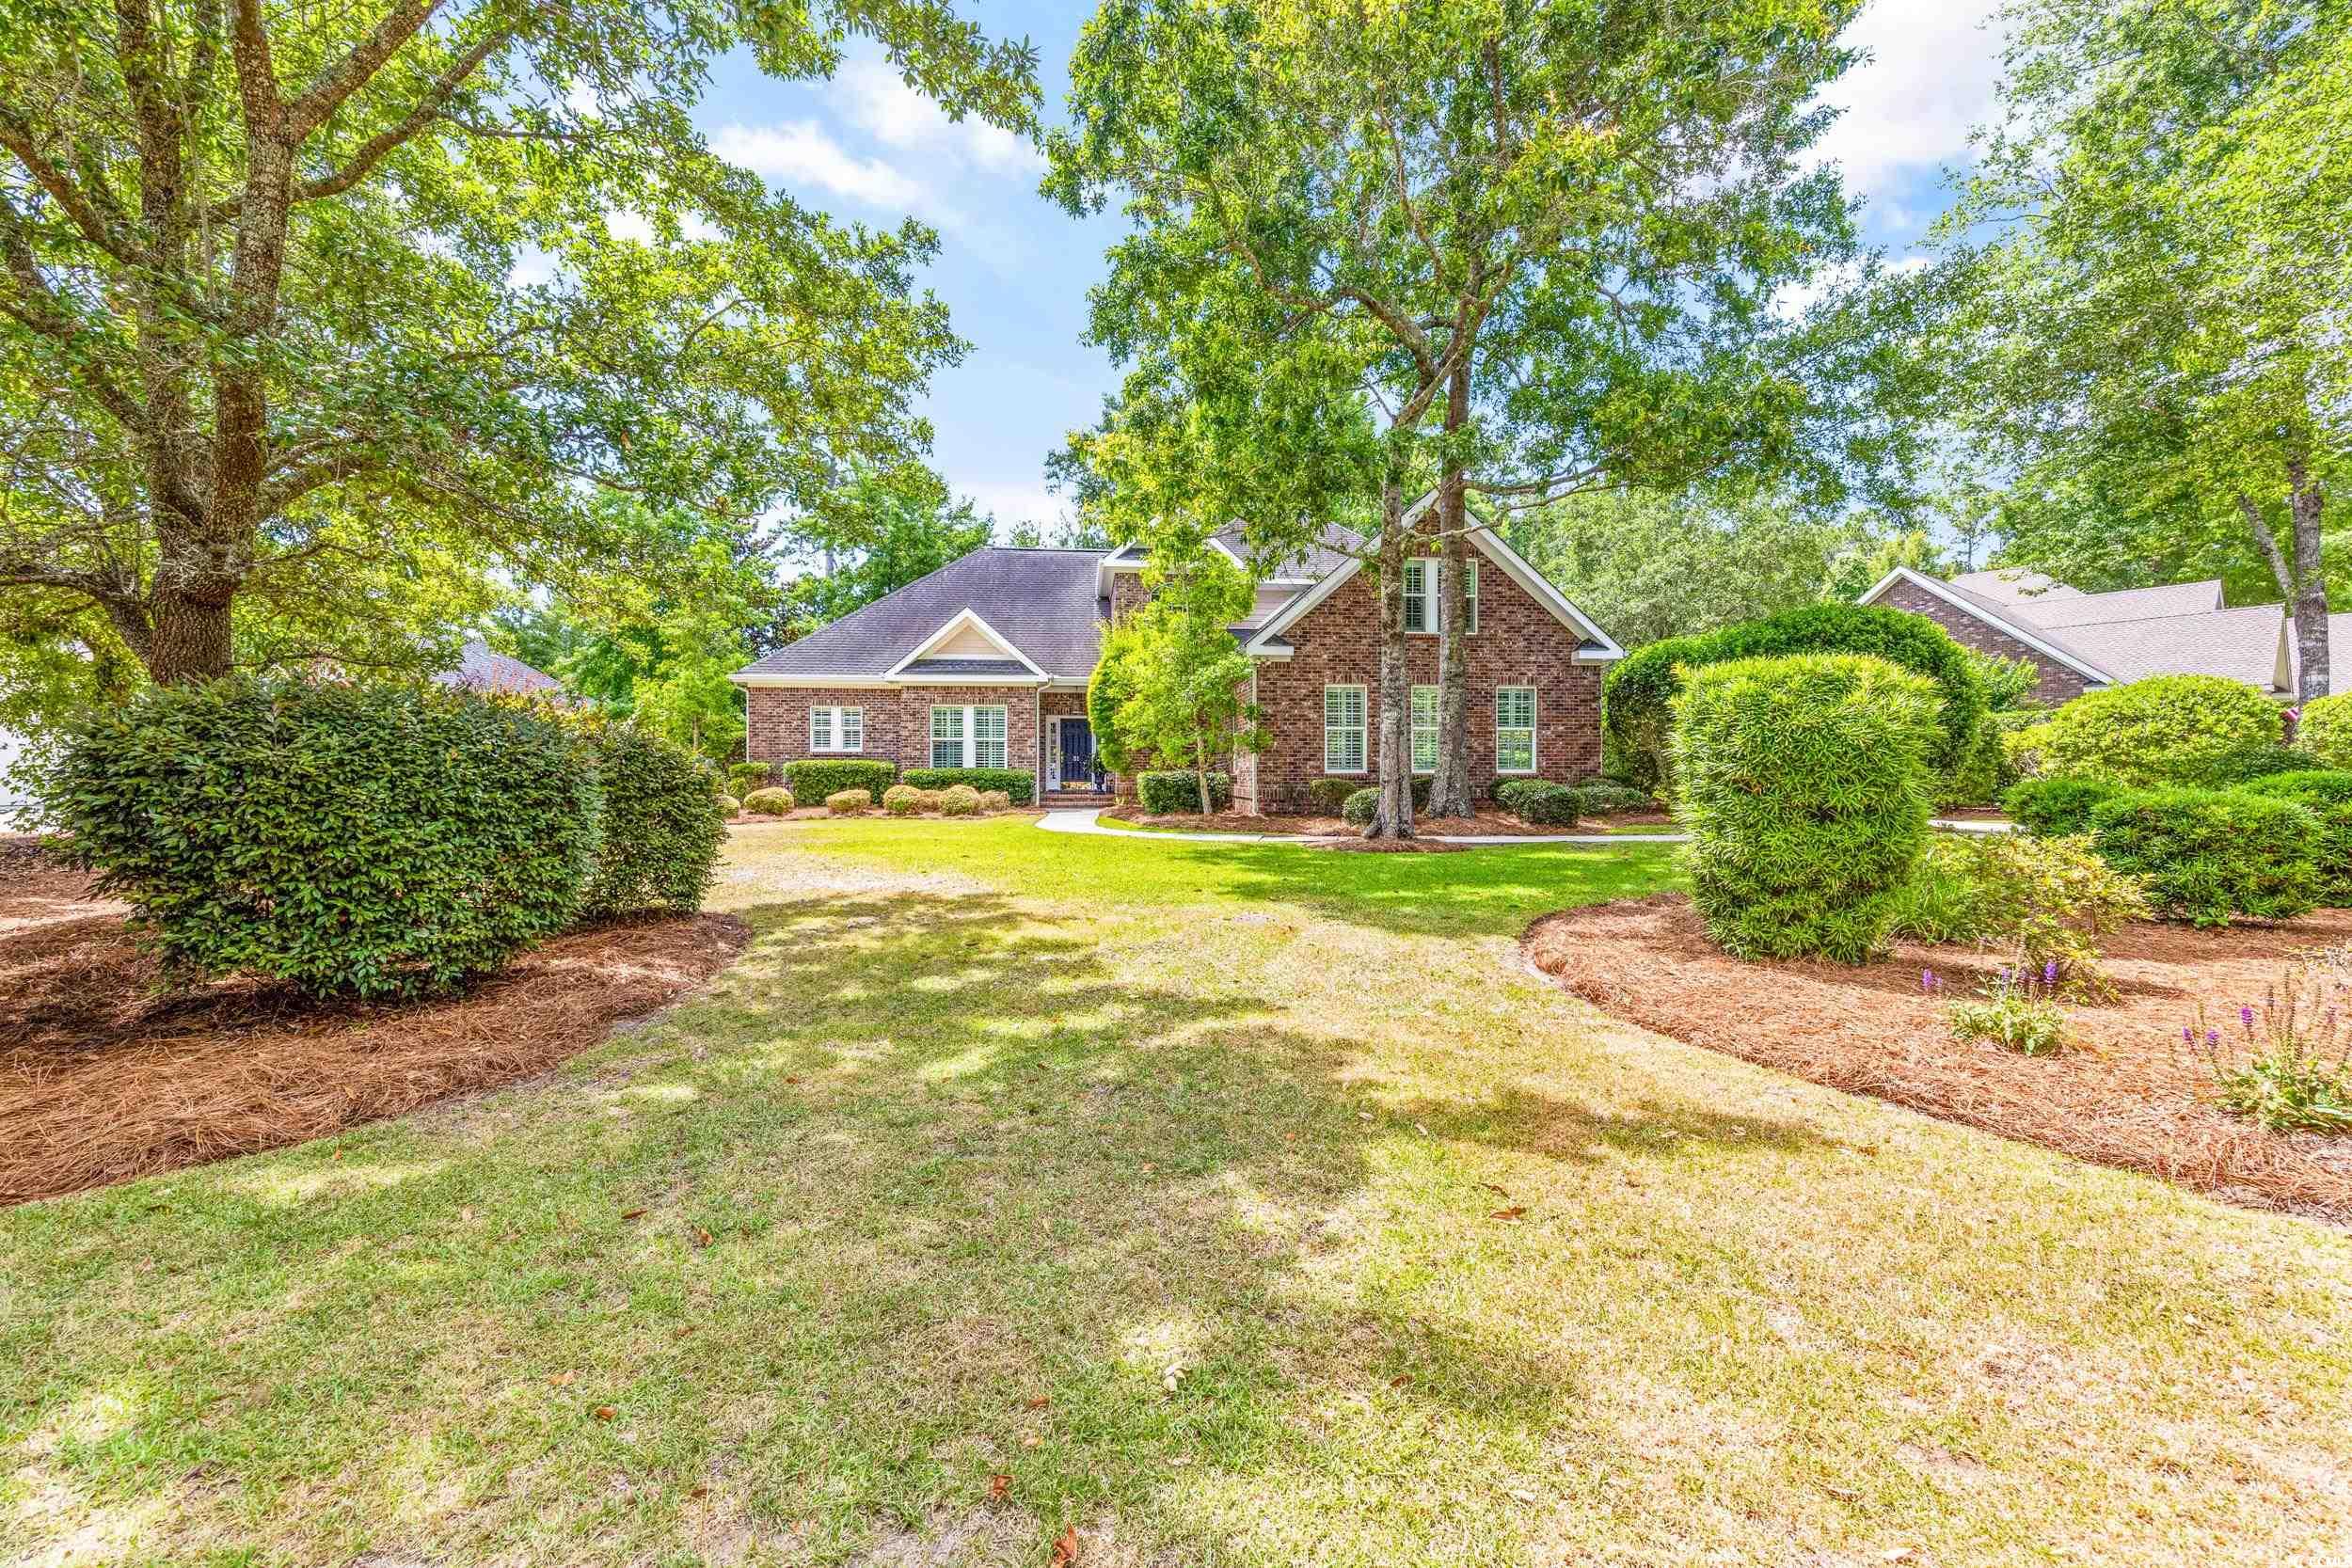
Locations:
(1041, 601)
(2241, 643)
(483, 670)
(2016, 615)
(2127, 604)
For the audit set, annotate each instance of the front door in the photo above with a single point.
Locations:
(1075, 766)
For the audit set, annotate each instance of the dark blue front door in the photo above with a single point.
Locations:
(1078, 755)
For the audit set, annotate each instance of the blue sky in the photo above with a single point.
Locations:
(1014, 270)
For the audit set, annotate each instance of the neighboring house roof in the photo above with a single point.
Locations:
(2245, 644)
(485, 669)
(2129, 604)
(2009, 585)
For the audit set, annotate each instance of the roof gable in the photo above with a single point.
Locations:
(2006, 619)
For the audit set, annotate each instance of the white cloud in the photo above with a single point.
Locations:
(1011, 501)
(877, 100)
(1909, 108)
(799, 154)
(1797, 298)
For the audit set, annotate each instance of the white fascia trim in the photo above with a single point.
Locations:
(966, 616)
(926, 681)
(1928, 585)
(751, 678)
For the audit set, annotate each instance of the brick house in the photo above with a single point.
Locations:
(2081, 642)
(985, 663)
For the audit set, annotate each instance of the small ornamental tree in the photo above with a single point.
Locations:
(2163, 730)
(1805, 790)
(1183, 674)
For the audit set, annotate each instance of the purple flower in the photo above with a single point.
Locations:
(2213, 1036)
(1926, 979)
(2188, 1034)
(2246, 1016)
(2049, 973)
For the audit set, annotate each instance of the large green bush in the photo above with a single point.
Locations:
(1172, 791)
(353, 840)
(2209, 854)
(661, 827)
(1543, 803)
(822, 778)
(2163, 730)
(2056, 807)
(1805, 786)
(1639, 690)
(2323, 731)
(2329, 795)
(1021, 786)
(1603, 797)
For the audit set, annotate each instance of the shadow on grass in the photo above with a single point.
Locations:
(818, 1247)
(1474, 893)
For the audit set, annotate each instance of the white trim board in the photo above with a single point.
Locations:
(962, 619)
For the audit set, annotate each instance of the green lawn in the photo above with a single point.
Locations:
(1199, 1145)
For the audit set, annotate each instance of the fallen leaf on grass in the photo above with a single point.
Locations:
(1066, 1547)
(1030, 1439)
(1037, 1403)
(466, 1215)
(1515, 1212)
(998, 1485)
(605, 1413)
(702, 1237)
(561, 1380)
(1401, 1380)
(1497, 1189)
(633, 1213)
(699, 1491)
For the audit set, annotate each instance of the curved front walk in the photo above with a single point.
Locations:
(1084, 823)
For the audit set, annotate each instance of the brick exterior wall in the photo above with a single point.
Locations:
(1518, 642)
(898, 721)
(2057, 684)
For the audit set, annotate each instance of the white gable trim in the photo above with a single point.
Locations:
(957, 622)
(2010, 629)
(1489, 543)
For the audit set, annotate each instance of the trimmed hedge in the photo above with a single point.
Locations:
(2323, 731)
(1021, 786)
(2327, 793)
(1639, 693)
(1327, 797)
(729, 805)
(995, 800)
(662, 832)
(1805, 786)
(1167, 793)
(1360, 806)
(2209, 854)
(1541, 802)
(2248, 763)
(959, 800)
(744, 777)
(901, 800)
(848, 802)
(769, 803)
(351, 840)
(2163, 730)
(822, 778)
(2056, 808)
(1604, 798)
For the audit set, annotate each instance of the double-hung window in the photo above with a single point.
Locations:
(837, 729)
(1422, 579)
(1515, 729)
(1425, 729)
(1342, 729)
(968, 737)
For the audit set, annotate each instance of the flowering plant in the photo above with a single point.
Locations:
(2287, 1068)
(2018, 1011)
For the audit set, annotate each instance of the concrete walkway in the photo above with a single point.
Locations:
(1085, 822)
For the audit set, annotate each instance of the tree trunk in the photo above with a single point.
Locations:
(1393, 816)
(188, 639)
(2301, 581)
(1451, 792)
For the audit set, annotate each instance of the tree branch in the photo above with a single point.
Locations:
(307, 113)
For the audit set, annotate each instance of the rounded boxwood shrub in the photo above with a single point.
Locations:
(1360, 806)
(2327, 793)
(1602, 798)
(2323, 731)
(1170, 792)
(2056, 808)
(1327, 797)
(662, 833)
(848, 803)
(959, 800)
(820, 778)
(995, 800)
(1638, 696)
(901, 800)
(2209, 854)
(2163, 730)
(1805, 786)
(926, 799)
(1542, 803)
(1011, 780)
(351, 840)
(729, 805)
(769, 803)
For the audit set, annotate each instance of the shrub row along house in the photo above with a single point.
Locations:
(2083, 641)
(985, 662)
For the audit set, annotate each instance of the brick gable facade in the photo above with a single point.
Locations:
(2057, 684)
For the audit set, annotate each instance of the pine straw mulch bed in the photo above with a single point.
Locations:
(103, 1078)
(2131, 1097)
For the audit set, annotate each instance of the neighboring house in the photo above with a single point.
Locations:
(482, 669)
(985, 663)
(2080, 642)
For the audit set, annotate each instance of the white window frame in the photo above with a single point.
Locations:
(967, 739)
(839, 722)
(1501, 728)
(1361, 729)
(1469, 598)
(1424, 569)
(1428, 729)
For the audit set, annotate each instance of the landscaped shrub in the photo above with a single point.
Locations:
(355, 840)
(2329, 795)
(2323, 731)
(1360, 806)
(926, 799)
(2250, 763)
(744, 777)
(729, 805)
(1543, 803)
(2049, 900)
(1805, 787)
(662, 832)
(2019, 1012)
(995, 801)
(1983, 772)
(1945, 899)
(1011, 780)
(1640, 690)
(1602, 798)
(1170, 792)
(2056, 808)
(2163, 730)
(848, 803)
(768, 802)
(901, 800)
(959, 800)
(821, 779)
(2209, 854)
(1328, 797)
